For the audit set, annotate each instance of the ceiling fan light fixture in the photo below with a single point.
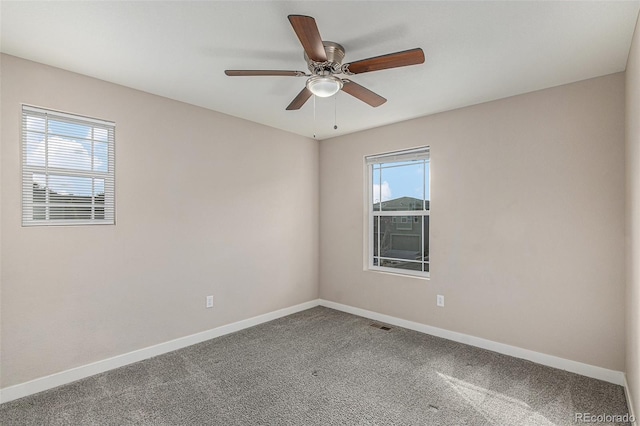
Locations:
(324, 85)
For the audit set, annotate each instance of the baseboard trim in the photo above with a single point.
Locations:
(611, 376)
(627, 394)
(57, 379)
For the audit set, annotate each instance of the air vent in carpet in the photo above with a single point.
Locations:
(380, 326)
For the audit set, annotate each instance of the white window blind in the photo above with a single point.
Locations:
(68, 164)
(399, 156)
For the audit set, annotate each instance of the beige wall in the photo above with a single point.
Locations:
(527, 222)
(1, 243)
(633, 219)
(206, 204)
(526, 240)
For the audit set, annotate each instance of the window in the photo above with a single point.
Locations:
(398, 238)
(67, 169)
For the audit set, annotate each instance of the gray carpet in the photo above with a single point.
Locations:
(323, 367)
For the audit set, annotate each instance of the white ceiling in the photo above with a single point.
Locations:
(475, 51)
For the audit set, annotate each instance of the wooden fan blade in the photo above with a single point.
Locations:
(299, 100)
(241, 73)
(362, 93)
(309, 36)
(392, 60)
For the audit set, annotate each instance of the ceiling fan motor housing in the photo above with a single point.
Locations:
(335, 55)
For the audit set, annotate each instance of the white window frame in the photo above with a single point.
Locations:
(421, 153)
(28, 170)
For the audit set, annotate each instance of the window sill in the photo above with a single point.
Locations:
(399, 274)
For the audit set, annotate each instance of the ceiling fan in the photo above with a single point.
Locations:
(324, 60)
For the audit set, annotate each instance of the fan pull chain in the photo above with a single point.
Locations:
(335, 112)
(314, 116)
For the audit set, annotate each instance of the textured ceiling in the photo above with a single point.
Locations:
(475, 51)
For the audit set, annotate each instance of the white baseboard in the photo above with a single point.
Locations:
(68, 376)
(41, 384)
(611, 376)
(627, 394)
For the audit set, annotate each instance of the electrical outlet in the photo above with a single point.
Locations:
(209, 301)
(440, 300)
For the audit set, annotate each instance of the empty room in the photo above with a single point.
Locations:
(220, 212)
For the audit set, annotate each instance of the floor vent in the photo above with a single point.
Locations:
(380, 326)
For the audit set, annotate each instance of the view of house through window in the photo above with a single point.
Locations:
(67, 169)
(399, 211)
